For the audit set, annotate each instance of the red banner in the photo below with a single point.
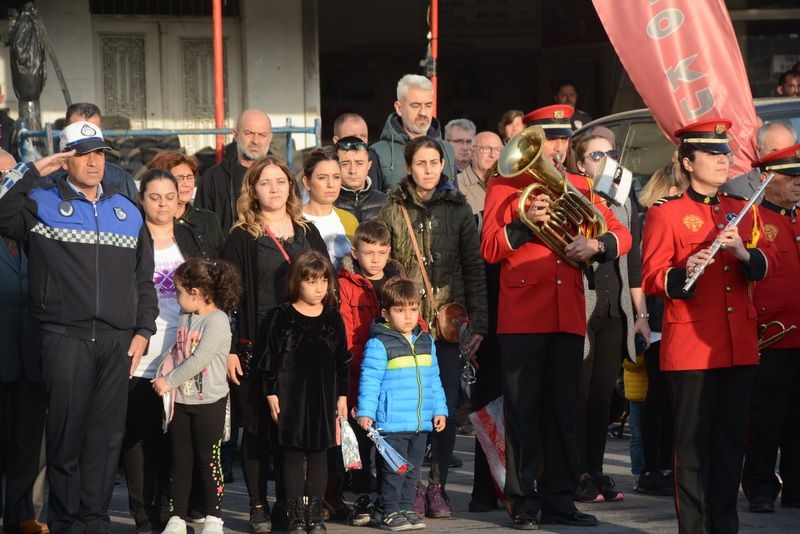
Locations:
(683, 58)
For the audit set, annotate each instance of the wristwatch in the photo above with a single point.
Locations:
(644, 315)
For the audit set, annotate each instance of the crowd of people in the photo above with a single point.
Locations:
(256, 312)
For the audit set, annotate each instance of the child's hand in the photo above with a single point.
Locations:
(274, 407)
(439, 422)
(341, 407)
(365, 423)
(160, 385)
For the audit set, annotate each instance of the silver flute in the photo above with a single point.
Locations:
(717, 244)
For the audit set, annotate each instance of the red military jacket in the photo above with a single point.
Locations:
(714, 325)
(539, 292)
(776, 297)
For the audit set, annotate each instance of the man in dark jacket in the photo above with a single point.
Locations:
(412, 118)
(220, 186)
(358, 195)
(91, 290)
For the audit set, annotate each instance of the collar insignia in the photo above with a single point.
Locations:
(707, 200)
(65, 209)
(692, 222)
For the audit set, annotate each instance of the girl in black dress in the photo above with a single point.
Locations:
(306, 377)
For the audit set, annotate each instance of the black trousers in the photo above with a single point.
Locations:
(195, 438)
(773, 423)
(443, 443)
(305, 472)
(711, 408)
(23, 409)
(86, 383)
(145, 452)
(656, 419)
(598, 378)
(540, 384)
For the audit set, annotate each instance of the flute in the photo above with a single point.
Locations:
(717, 244)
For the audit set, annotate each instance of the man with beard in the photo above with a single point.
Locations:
(219, 187)
(412, 118)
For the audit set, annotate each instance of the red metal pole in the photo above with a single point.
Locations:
(435, 50)
(219, 82)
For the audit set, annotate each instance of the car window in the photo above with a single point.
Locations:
(644, 150)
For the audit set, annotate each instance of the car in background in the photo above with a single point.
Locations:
(644, 148)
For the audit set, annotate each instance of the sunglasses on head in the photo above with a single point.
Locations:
(351, 145)
(597, 155)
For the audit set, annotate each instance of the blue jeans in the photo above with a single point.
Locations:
(399, 489)
(637, 456)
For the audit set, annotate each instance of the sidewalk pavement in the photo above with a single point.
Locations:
(636, 514)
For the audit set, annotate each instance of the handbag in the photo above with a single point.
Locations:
(449, 317)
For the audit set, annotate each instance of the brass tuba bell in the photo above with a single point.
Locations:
(571, 213)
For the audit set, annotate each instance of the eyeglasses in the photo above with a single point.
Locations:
(460, 141)
(184, 177)
(597, 155)
(351, 145)
(487, 149)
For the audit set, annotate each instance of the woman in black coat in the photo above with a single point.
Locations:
(269, 232)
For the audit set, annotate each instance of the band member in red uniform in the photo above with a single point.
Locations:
(709, 345)
(541, 326)
(775, 402)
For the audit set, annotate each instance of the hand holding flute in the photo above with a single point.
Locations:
(728, 238)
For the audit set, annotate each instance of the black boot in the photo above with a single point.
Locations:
(316, 525)
(296, 514)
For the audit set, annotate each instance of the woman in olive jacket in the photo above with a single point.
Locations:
(449, 243)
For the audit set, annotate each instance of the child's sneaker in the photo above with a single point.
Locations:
(607, 488)
(175, 525)
(396, 522)
(362, 511)
(587, 490)
(416, 521)
(212, 525)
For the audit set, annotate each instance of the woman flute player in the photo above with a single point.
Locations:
(709, 345)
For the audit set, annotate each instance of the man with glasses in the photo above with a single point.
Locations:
(460, 133)
(484, 153)
(412, 118)
(358, 194)
(219, 187)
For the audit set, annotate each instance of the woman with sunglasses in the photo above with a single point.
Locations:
(615, 312)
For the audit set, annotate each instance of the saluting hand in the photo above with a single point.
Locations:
(53, 162)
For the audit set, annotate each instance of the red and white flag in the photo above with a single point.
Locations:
(683, 58)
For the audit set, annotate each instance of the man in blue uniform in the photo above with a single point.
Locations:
(91, 289)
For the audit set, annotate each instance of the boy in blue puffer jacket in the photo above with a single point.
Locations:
(400, 391)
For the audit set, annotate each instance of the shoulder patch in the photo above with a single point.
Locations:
(664, 200)
(731, 195)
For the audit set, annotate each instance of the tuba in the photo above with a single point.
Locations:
(571, 213)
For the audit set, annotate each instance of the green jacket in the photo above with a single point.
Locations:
(449, 242)
(390, 149)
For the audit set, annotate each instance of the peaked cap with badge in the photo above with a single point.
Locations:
(709, 135)
(554, 120)
(785, 161)
(83, 137)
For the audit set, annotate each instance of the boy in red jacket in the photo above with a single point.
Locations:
(361, 278)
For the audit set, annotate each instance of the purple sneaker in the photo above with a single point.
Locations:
(436, 499)
(419, 507)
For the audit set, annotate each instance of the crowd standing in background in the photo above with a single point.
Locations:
(253, 312)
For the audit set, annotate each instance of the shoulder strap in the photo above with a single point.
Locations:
(425, 280)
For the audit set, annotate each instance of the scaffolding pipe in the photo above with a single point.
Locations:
(219, 81)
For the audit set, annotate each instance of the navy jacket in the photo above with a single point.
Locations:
(91, 263)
